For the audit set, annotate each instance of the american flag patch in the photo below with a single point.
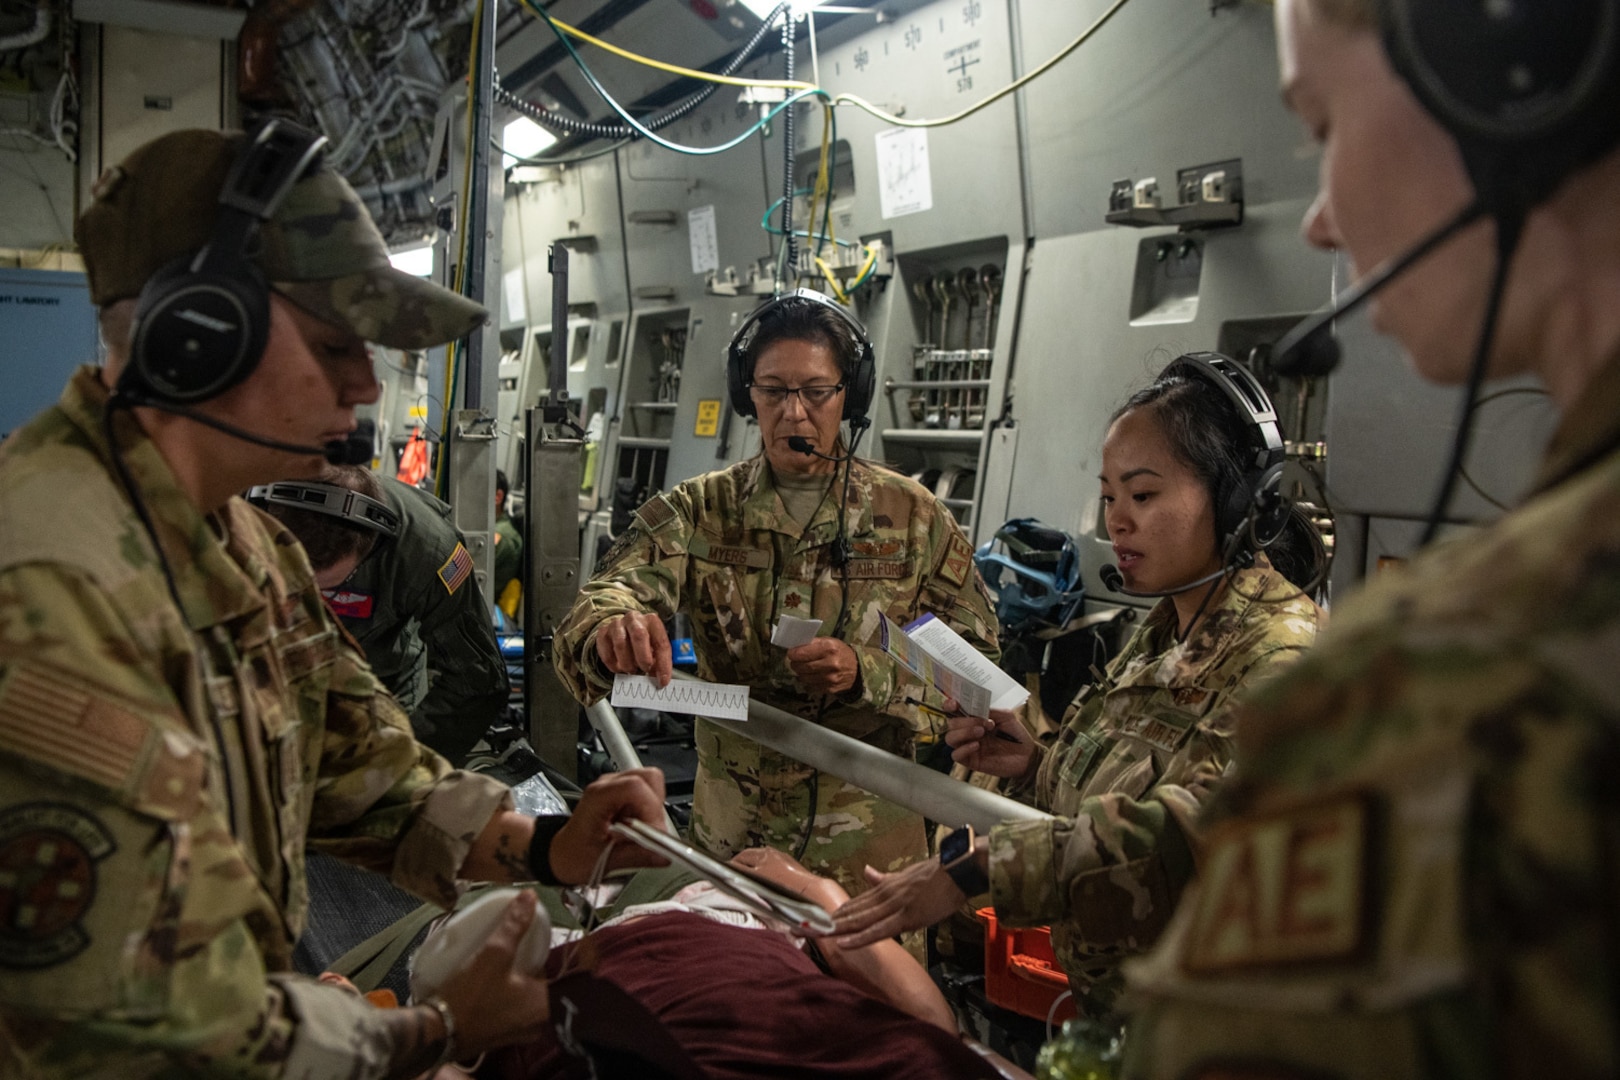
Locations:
(456, 569)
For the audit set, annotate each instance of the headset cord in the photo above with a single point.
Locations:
(1509, 227)
(841, 557)
(114, 403)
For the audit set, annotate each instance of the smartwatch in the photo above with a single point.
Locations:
(957, 858)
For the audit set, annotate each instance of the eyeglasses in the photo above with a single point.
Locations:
(813, 397)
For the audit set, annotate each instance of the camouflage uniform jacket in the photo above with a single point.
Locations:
(1414, 872)
(163, 765)
(416, 609)
(722, 548)
(1137, 755)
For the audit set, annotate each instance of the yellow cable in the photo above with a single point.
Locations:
(862, 103)
(676, 69)
(826, 272)
(818, 192)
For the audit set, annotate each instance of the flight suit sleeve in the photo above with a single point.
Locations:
(126, 949)
(643, 571)
(951, 589)
(468, 689)
(1118, 866)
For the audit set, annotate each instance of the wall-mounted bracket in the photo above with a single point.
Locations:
(1209, 197)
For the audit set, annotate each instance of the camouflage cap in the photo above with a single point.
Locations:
(321, 250)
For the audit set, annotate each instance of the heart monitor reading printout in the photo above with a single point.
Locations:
(722, 700)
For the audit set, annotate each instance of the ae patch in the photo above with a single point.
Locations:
(48, 856)
(958, 561)
(1284, 889)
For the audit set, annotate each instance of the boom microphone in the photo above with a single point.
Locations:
(805, 446)
(336, 452)
(1309, 349)
(1114, 581)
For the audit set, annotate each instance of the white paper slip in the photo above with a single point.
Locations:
(792, 631)
(724, 700)
(972, 698)
(952, 649)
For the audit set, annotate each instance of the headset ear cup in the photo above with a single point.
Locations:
(862, 384)
(742, 402)
(197, 335)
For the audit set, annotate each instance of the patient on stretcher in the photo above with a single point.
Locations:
(679, 980)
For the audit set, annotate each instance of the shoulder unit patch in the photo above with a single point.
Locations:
(48, 856)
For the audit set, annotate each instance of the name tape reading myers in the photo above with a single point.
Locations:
(721, 700)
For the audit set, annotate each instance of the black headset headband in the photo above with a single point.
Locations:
(1246, 394)
(860, 379)
(1257, 504)
(330, 499)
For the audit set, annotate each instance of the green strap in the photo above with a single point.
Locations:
(368, 963)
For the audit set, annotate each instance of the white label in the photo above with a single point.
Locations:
(904, 186)
(792, 631)
(705, 240)
(680, 696)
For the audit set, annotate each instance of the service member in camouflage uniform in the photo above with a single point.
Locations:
(411, 600)
(1140, 751)
(739, 548)
(179, 714)
(1415, 872)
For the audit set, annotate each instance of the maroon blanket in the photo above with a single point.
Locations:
(748, 1003)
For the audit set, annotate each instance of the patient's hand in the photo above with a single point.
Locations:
(920, 895)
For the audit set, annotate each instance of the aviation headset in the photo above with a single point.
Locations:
(860, 379)
(1256, 502)
(1530, 89)
(202, 321)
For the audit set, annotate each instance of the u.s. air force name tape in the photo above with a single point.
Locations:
(699, 699)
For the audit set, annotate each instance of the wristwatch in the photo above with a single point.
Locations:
(958, 859)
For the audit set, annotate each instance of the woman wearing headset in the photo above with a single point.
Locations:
(1139, 751)
(789, 532)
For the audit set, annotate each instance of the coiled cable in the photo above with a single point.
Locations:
(559, 122)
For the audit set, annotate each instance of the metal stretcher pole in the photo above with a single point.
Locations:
(931, 794)
(614, 740)
(617, 744)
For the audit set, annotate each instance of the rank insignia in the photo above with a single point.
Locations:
(48, 856)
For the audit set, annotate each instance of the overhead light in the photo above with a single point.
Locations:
(418, 262)
(523, 138)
